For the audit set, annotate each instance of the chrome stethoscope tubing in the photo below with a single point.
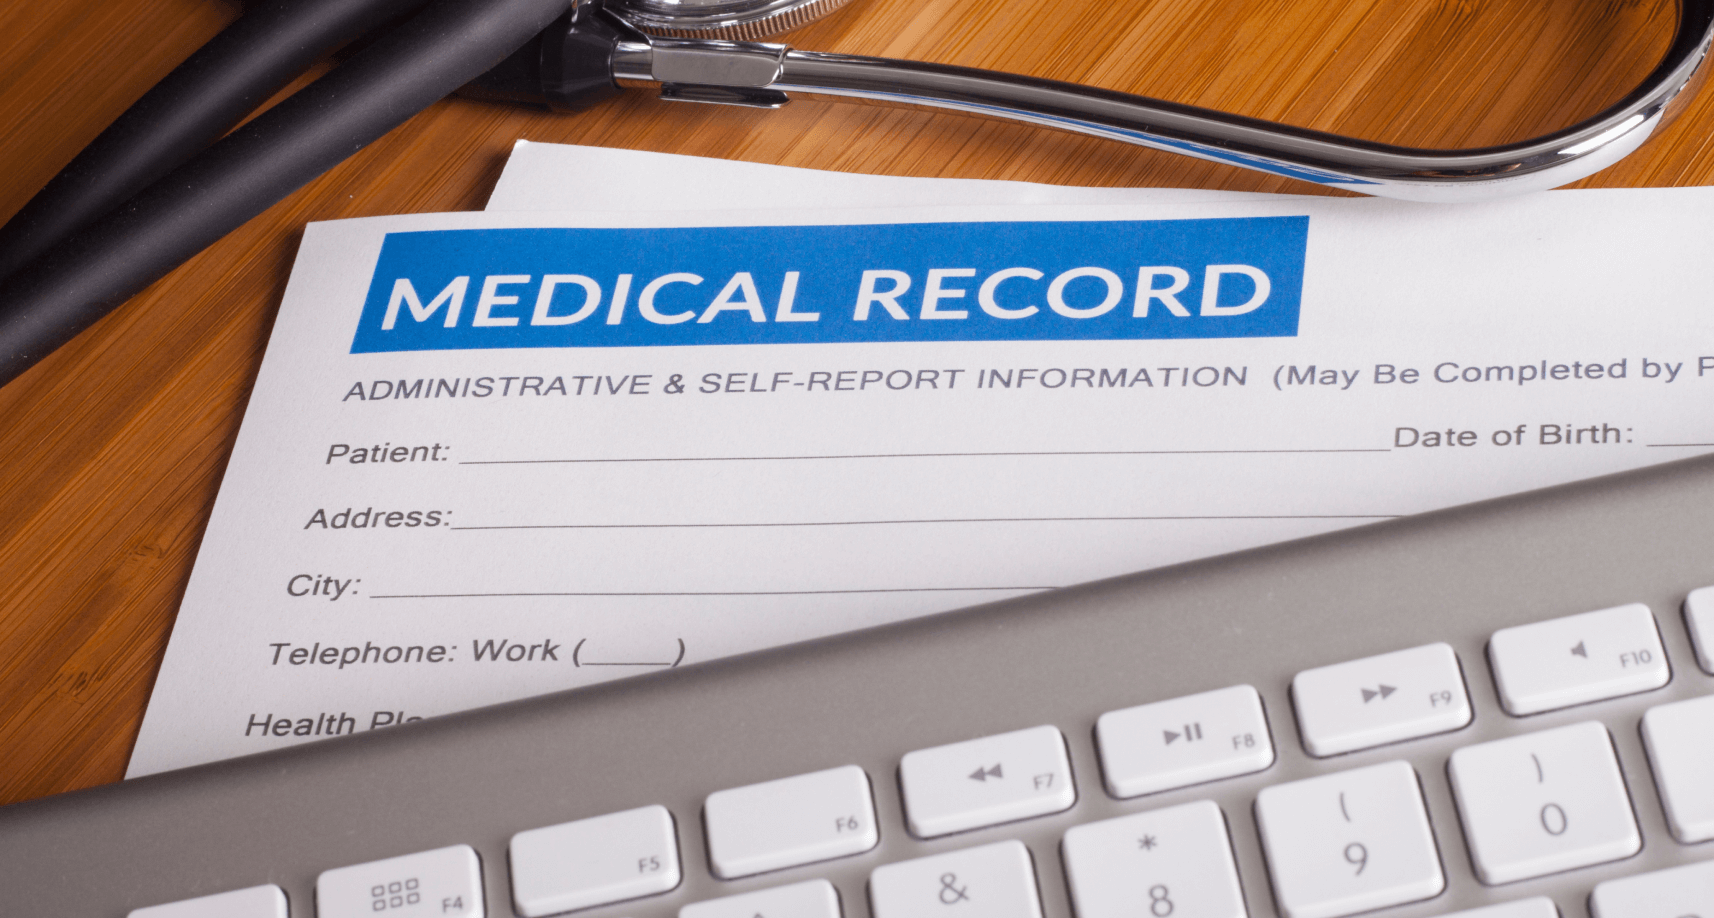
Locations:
(768, 75)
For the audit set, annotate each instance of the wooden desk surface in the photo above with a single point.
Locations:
(111, 450)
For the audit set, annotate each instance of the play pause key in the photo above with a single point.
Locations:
(1167, 744)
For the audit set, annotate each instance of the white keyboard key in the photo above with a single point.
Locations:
(1349, 842)
(1537, 907)
(1699, 617)
(1543, 802)
(594, 861)
(1680, 740)
(993, 881)
(987, 781)
(444, 881)
(253, 902)
(1382, 699)
(1184, 741)
(1686, 891)
(790, 821)
(1174, 862)
(1578, 659)
(814, 899)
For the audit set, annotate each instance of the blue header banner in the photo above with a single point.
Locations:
(1118, 280)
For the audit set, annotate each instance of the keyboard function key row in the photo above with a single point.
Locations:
(1381, 699)
(596, 861)
(1183, 741)
(442, 881)
(1578, 659)
(987, 781)
(1699, 618)
(789, 822)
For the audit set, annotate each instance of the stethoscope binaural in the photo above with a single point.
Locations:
(712, 51)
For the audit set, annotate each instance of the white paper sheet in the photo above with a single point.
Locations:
(586, 537)
(571, 178)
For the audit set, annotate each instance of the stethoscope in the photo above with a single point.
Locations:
(712, 51)
(172, 175)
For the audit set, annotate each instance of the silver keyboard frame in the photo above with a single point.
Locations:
(869, 697)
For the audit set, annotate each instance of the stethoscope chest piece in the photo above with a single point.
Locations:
(723, 20)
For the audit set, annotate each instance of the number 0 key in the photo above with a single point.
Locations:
(1543, 802)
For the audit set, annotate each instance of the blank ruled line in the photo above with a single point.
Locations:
(978, 589)
(924, 522)
(1112, 452)
(1678, 445)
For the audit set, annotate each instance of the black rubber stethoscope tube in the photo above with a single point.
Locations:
(76, 282)
(200, 100)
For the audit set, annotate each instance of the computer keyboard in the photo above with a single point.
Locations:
(1500, 707)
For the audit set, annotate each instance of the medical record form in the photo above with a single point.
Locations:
(492, 455)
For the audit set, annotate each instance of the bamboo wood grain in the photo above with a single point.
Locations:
(111, 450)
